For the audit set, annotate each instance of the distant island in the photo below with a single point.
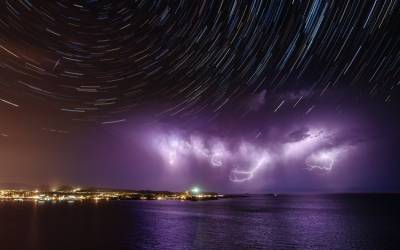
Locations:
(69, 194)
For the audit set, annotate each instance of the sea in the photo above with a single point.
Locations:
(334, 221)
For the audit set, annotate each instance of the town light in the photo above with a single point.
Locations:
(195, 190)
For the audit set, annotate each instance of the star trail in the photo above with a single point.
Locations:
(99, 60)
(229, 73)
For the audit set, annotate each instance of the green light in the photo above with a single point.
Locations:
(195, 190)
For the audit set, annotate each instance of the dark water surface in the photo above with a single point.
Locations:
(257, 222)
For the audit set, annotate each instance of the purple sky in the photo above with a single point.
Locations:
(232, 96)
(322, 151)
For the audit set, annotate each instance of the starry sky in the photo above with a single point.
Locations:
(232, 96)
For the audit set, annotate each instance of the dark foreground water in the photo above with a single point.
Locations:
(258, 222)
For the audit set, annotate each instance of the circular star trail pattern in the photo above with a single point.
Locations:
(99, 60)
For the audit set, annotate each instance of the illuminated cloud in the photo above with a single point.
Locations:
(321, 160)
(302, 141)
(175, 148)
(255, 161)
(325, 159)
(314, 148)
(218, 154)
(170, 147)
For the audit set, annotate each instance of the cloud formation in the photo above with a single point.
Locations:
(314, 149)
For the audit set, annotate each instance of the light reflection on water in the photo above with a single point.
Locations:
(257, 222)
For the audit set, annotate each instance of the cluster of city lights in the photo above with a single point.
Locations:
(77, 194)
(55, 196)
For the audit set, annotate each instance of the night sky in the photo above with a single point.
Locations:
(232, 96)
